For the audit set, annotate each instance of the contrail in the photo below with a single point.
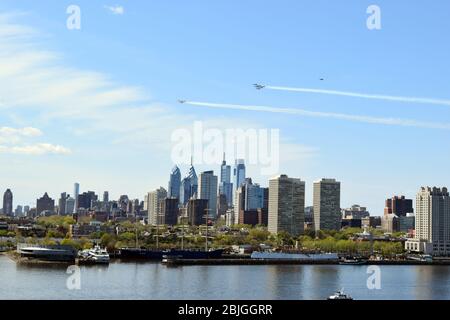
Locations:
(317, 114)
(441, 102)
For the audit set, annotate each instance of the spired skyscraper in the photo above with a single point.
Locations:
(225, 186)
(8, 203)
(174, 183)
(239, 173)
(189, 186)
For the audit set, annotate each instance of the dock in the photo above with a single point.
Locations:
(247, 261)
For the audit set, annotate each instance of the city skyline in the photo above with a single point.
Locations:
(309, 198)
(71, 112)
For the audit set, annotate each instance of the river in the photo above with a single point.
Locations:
(122, 281)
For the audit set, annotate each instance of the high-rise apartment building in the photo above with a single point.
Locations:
(286, 205)
(433, 221)
(327, 205)
(154, 199)
(45, 205)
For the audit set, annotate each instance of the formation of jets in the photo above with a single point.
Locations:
(256, 85)
(259, 86)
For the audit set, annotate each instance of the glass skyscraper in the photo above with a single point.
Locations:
(174, 183)
(189, 186)
(225, 185)
(239, 173)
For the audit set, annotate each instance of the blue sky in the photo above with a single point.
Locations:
(212, 51)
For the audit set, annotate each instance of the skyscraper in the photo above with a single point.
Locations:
(168, 211)
(105, 197)
(62, 204)
(327, 205)
(154, 199)
(286, 205)
(196, 211)
(225, 185)
(207, 187)
(70, 205)
(45, 205)
(399, 205)
(86, 199)
(248, 197)
(433, 220)
(239, 173)
(8, 203)
(19, 211)
(174, 183)
(76, 192)
(189, 186)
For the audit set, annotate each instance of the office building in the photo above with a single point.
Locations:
(8, 203)
(174, 183)
(225, 185)
(399, 205)
(355, 212)
(196, 211)
(239, 173)
(189, 186)
(207, 187)
(62, 204)
(70, 205)
(168, 214)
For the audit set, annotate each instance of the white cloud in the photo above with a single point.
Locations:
(10, 135)
(35, 149)
(116, 9)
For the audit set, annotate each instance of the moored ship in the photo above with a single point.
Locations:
(157, 255)
(48, 253)
(331, 257)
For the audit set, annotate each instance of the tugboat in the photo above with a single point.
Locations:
(340, 295)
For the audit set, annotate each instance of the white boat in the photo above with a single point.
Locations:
(340, 295)
(95, 255)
